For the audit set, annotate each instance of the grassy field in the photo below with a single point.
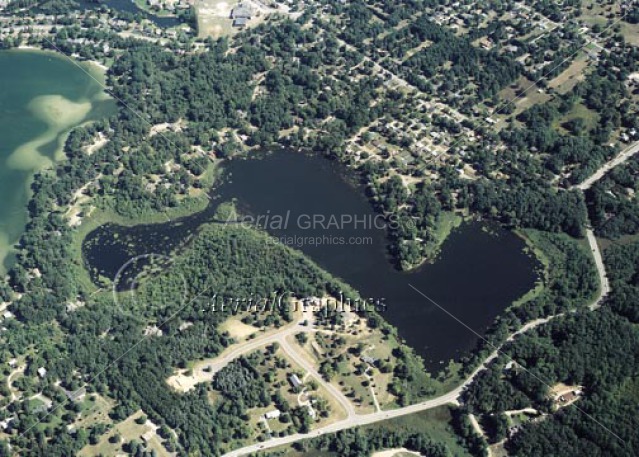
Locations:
(578, 111)
(535, 250)
(436, 422)
(524, 94)
(214, 18)
(94, 409)
(595, 12)
(238, 330)
(572, 75)
(605, 243)
(631, 33)
(128, 430)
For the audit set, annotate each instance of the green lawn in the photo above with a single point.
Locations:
(579, 110)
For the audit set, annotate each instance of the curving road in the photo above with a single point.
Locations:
(205, 371)
(303, 324)
(334, 391)
(452, 397)
(601, 270)
(355, 420)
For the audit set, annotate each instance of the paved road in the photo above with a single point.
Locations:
(251, 345)
(452, 397)
(334, 391)
(204, 372)
(601, 270)
(355, 420)
(605, 168)
(185, 383)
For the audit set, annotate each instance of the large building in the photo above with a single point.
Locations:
(241, 14)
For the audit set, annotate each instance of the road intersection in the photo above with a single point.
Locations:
(453, 396)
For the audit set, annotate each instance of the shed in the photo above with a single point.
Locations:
(295, 381)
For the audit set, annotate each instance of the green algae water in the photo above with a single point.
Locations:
(42, 97)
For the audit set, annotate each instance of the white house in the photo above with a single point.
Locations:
(272, 414)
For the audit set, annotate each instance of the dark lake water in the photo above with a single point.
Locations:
(478, 274)
(128, 6)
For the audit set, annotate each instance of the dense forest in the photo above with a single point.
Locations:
(596, 350)
(215, 95)
(612, 202)
(570, 283)
(222, 261)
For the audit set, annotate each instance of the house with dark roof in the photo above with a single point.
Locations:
(241, 14)
(240, 22)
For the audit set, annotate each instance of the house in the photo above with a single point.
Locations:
(241, 11)
(369, 360)
(311, 411)
(241, 14)
(240, 22)
(275, 414)
(42, 372)
(295, 381)
(510, 366)
(5, 423)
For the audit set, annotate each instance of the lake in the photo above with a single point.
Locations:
(478, 274)
(129, 6)
(42, 96)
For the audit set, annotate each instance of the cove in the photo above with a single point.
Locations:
(477, 275)
(42, 96)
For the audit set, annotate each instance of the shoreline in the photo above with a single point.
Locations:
(432, 361)
(26, 157)
(32, 48)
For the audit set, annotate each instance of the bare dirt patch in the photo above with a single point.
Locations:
(238, 330)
